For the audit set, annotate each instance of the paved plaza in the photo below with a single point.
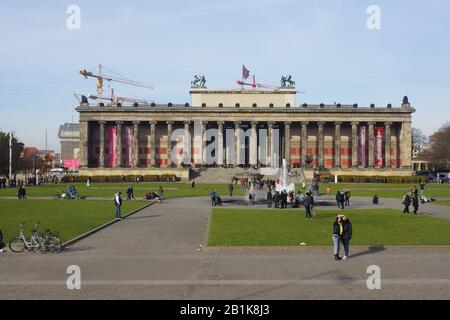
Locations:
(155, 254)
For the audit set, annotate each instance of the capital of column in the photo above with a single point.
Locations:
(169, 122)
(187, 122)
(338, 123)
(102, 122)
(254, 123)
(237, 123)
(371, 123)
(305, 123)
(136, 123)
(355, 123)
(153, 122)
(388, 123)
(119, 123)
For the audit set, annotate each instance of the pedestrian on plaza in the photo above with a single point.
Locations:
(347, 197)
(118, 204)
(276, 199)
(230, 189)
(415, 203)
(406, 202)
(375, 199)
(213, 196)
(328, 190)
(336, 237)
(308, 203)
(161, 193)
(346, 236)
(130, 193)
(269, 199)
(340, 199)
(422, 188)
(88, 183)
(2, 245)
(193, 184)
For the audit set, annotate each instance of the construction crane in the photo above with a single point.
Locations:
(255, 85)
(104, 77)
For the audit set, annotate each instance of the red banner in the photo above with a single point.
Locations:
(71, 163)
(378, 146)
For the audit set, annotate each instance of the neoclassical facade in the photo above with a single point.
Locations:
(339, 139)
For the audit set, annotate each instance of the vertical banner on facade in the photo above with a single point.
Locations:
(378, 146)
(362, 146)
(128, 145)
(111, 134)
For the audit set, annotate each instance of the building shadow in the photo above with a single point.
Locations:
(370, 250)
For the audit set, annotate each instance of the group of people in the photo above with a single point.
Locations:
(343, 198)
(216, 200)
(411, 198)
(284, 199)
(342, 233)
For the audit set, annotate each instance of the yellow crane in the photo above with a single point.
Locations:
(105, 77)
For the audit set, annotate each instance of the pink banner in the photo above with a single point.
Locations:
(379, 146)
(362, 146)
(71, 163)
(127, 146)
(112, 139)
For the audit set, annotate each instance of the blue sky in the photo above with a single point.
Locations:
(325, 45)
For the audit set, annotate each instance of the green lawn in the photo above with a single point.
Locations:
(69, 218)
(388, 190)
(445, 203)
(276, 227)
(171, 190)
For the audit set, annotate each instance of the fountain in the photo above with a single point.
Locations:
(282, 183)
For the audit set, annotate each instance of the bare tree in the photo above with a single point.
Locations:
(419, 142)
(439, 150)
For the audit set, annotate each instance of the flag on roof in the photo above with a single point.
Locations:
(245, 72)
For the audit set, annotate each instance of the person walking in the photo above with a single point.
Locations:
(336, 237)
(415, 203)
(406, 202)
(230, 189)
(346, 236)
(340, 200)
(422, 188)
(193, 184)
(347, 197)
(88, 183)
(308, 206)
(276, 199)
(130, 193)
(118, 204)
(161, 193)
(269, 199)
(213, 196)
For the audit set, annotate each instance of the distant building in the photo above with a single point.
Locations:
(69, 136)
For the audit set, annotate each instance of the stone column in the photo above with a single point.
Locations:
(355, 144)
(169, 143)
(84, 143)
(187, 156)
(269, 144)
(387, 144)
(203, 143)
(153, 143)
(287, 142)
(337, 144)
(220, 143)
(237, 125)
(321, 163)
(371, 145)
(304, 141)
(119, 143)
(101, 163)
(135, 162)
(406, 146)
(254, 145)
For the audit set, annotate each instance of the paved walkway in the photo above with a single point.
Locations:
(154, 255)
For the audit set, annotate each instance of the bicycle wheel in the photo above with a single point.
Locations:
(54, 245)
(56, 197)
(17, 245)
(41, 248)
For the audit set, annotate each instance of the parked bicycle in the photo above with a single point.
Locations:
(52, 242)
(60, 196)
(20, 243)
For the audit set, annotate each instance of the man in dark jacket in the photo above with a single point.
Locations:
(346, 235)
(308, 204)
(336, 237)
(406, 202)
(269, 199)
(415, 203)
(276, 199)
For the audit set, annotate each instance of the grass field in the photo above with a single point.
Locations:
(378, 227)
(171, 190)
(385, 190)
(69, 218)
